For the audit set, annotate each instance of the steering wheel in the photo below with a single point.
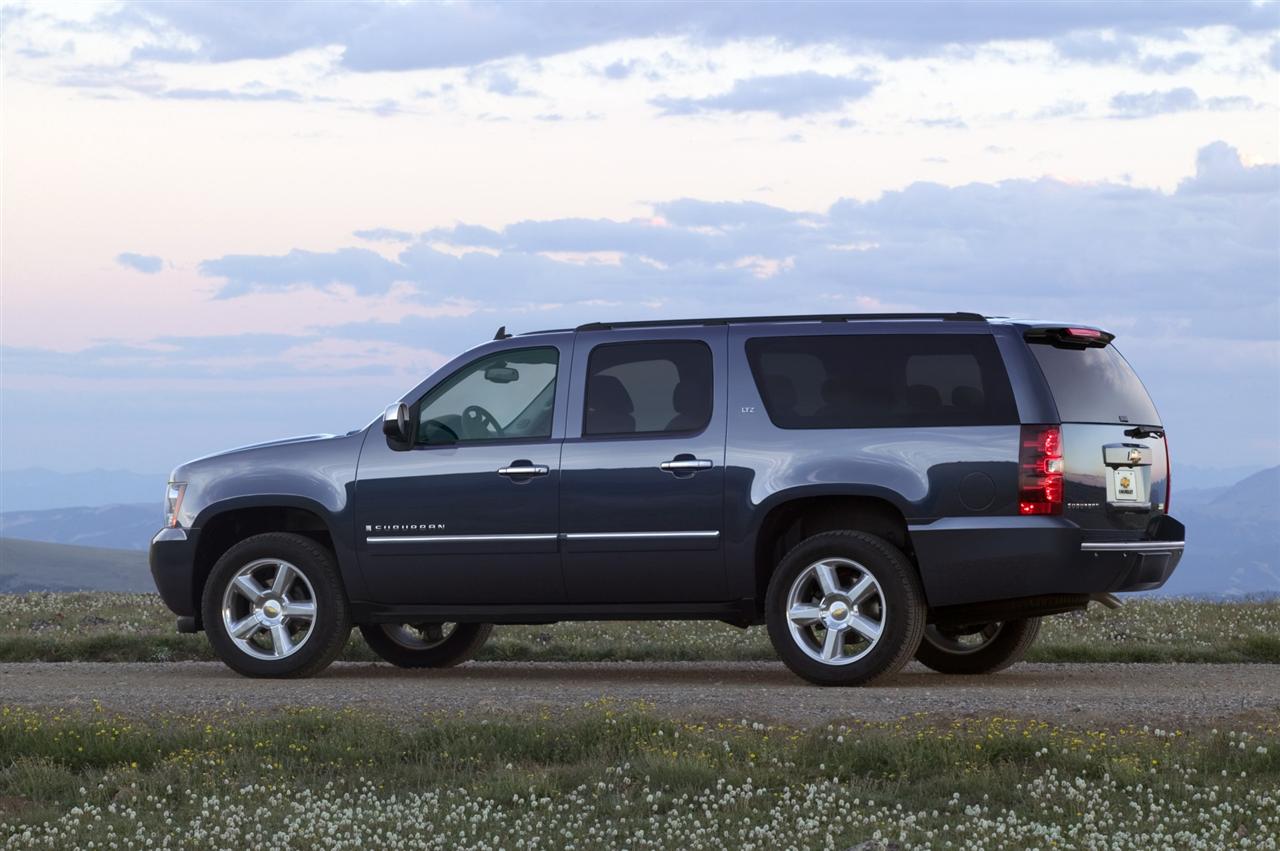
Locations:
(478, 422)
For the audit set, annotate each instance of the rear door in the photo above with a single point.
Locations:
(1117, 468)
(642, 469)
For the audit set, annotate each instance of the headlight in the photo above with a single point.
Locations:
(173, 503)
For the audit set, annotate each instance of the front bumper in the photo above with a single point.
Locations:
(172, 558)
(976, 560)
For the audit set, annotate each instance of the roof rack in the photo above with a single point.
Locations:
(958, 316)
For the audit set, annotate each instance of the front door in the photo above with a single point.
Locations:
(468, 515)
(642, 470)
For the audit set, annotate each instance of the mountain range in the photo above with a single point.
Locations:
(34, 488)
(1233, 542)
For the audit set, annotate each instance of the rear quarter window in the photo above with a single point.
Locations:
(1094, 385)
(881, 380)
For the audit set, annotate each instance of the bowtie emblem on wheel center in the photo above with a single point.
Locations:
(836, 612)
(271, 609)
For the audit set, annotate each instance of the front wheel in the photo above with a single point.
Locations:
(426, 645)
(845, 608)
(274, 606)
(977, 649)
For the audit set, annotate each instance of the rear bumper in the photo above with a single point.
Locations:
(172, 559)
(975, 560)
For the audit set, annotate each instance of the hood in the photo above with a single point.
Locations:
(178, 473)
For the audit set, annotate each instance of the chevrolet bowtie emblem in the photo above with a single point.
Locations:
(1135, 456)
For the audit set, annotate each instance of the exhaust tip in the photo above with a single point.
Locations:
(1111, 601)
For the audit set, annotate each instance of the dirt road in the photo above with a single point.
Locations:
(1112, 693)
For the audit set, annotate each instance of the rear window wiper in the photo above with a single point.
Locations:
(1142, 431)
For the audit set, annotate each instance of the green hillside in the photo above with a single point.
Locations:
(38, 566)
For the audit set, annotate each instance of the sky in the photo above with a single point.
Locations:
(225, 223)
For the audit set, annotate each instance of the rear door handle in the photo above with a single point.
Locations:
(685, 465)
(522, 468)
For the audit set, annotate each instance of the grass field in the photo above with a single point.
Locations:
(137, 627)
(607, 777)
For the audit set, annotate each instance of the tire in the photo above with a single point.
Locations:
(983, 649)
(890, 606)
(409, 646)
(263, 609)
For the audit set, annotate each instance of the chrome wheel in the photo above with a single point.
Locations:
(962, 641)
(269, 609)
(420, 636)
(836, 611)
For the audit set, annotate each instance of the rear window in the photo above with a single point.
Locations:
(1094, 385)
(881, 381)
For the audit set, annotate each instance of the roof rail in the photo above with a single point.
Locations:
(958, 316)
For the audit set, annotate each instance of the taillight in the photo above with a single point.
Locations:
(1040, 469)
(1168, 474)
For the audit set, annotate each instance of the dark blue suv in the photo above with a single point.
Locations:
(871, 487)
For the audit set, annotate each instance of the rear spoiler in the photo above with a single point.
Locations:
(1070, 336)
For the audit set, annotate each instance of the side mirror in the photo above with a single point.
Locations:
(397, 423)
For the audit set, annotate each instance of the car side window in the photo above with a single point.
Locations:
(648, 387)
(503, 396)
(882, 380)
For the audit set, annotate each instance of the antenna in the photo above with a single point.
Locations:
(502, 333)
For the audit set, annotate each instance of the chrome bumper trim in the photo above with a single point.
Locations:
(1132, 546)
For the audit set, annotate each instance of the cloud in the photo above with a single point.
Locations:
(228, 94)
(1063, 109)
(501, 82)
(146, 263)
(786, 95)
(395, 36)
(1219, 171)
(1090, 46)
(1170, 64)
(948, 122)
(1273, 56)
(361, 268)
(1182, 99)
(1019, 246)
(383, 235)
(1145, 104)
(621, 69)
(1109, 46)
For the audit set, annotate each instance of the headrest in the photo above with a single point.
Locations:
(689, 397)
(605, 392)
(781, 392)
(923, 397)
(968, 398)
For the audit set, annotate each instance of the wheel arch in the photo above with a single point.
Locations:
(795, 515)
(227, 522)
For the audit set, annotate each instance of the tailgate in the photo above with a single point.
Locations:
(1113, 479)
(1116, 475)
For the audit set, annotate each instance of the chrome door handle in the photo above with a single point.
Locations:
(524, 468)
(685, 465)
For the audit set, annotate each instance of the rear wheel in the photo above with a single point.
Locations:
(977, 649)
(845, 608)
(274, 606)
(426, 645)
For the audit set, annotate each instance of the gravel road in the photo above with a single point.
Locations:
(1111, 693)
